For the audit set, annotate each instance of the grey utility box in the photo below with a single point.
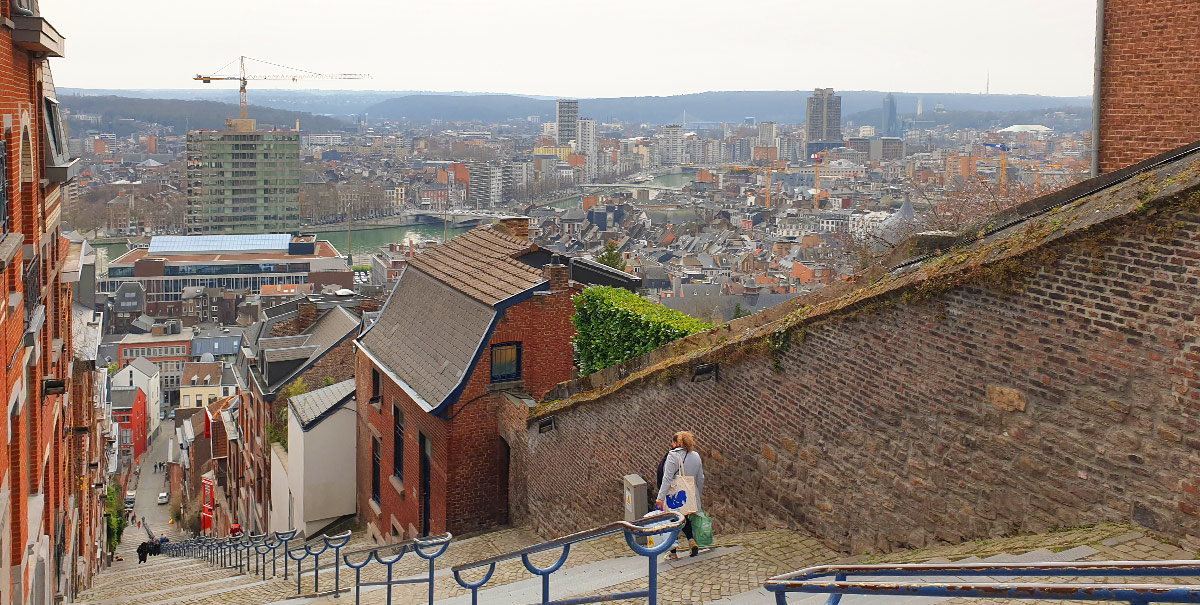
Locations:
(636, 505)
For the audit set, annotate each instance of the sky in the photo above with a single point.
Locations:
(587, 48)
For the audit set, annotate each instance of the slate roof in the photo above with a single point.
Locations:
(216, 345)
(430, 352)
(144, 366)
(442, 310)
(329, 330)
(122, 398)
(312, 406)
(480, 264)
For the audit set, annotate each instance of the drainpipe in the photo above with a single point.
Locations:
(1097, 67)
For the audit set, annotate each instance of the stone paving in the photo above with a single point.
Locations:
(726, 572)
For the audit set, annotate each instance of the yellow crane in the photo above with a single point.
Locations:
(770, 169)
(242, 77)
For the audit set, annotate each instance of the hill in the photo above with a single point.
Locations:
(181, 114)
(731, 106)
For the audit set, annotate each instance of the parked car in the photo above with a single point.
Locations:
(163, 497)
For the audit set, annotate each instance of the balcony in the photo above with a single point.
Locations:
(36, 35)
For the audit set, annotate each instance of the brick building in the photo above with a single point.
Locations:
(129, 414)
(1149, 81)
(309, 339)
(468, 331)
(39, 500)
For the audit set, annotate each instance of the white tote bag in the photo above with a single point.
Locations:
(681, 498)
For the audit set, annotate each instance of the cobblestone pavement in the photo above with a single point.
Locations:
(735, 571)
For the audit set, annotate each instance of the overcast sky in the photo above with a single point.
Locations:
(588, 48)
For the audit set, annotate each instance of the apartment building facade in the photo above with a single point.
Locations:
(243, 180)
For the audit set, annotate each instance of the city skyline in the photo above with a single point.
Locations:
(449, 60)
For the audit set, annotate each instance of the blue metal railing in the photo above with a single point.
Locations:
(665, 526)
(250, 554)
(836, 580)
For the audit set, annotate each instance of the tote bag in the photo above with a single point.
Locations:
(681, 497)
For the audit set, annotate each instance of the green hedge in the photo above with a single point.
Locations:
(614, 325)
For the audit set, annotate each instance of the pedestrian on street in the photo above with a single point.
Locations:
(142, 549)
(682, 456)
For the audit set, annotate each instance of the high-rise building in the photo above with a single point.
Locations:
(568, 120)
(768, 134)
(243, 180)
(824, 116)
(673, 149)
(589, 145)
(889, 126)
(485, 188)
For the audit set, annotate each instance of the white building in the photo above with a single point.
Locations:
(589, 146)
(313, 481)
(672, 145)
(768, 134)
(142, 373)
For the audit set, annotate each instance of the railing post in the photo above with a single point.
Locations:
(652, 585)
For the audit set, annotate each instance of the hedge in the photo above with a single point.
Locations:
(614, 325)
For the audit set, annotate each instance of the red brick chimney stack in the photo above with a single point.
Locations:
(559, 277)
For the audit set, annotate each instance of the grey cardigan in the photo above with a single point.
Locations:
(691, 464)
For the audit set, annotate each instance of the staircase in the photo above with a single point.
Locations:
(731, 573)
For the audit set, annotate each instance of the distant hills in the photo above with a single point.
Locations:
(779, 106)
(209, 107)
(181, 114)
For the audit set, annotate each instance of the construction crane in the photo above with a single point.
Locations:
(242, 77)
(769, 170)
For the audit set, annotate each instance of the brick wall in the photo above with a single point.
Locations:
(1150, 80)
(1054, 388)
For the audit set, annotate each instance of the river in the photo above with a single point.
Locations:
(368, 241)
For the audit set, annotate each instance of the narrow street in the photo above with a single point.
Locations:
(150, 484)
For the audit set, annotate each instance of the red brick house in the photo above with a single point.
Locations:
(129, 414)
(468, 330)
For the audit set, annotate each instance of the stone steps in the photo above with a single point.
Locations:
(762, 595)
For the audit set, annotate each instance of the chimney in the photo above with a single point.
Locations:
(517, 226)
(559, 277)
(306, 315)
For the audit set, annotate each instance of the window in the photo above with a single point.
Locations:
(376, 386)
(187, 400)
(506, 362)
(398, 443)
(375, 470)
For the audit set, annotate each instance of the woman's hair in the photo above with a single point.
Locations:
(686, 440)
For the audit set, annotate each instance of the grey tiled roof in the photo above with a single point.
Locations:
(145, 366)
(428, 334)
(310, 406)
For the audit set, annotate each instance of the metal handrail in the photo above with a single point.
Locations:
(669, 523)
(811, 580)
(253, 552)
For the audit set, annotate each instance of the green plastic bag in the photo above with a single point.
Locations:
(702, 531)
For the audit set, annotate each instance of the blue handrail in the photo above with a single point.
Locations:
(663, 524)
(253, 551)
(818, 580)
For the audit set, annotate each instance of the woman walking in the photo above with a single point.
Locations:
(683, 456)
